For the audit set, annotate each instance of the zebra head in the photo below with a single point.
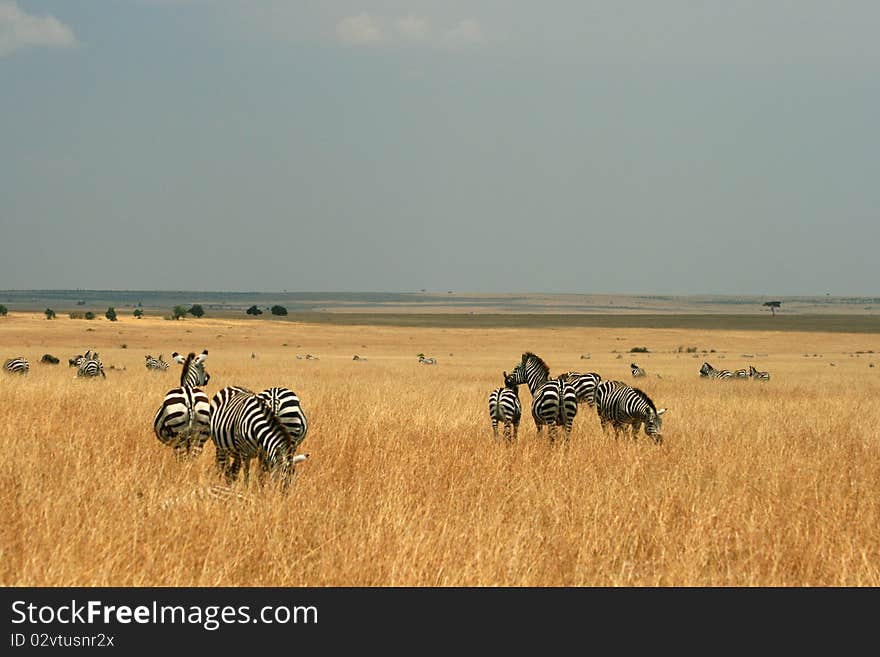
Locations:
(510, 381)
(531, 370)
(706, 369)
(654, 424)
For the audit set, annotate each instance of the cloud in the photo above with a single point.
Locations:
(361, 30)
(413, 28)
(467, 31)
(20, 30)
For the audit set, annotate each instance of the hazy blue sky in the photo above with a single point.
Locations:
(641, 146)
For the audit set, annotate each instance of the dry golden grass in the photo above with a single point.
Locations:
(757, 484)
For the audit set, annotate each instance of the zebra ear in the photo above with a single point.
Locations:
(661, 411)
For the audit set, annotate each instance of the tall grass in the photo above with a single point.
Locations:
(756, 484)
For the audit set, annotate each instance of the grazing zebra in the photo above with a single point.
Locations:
(637, 371)
(620, 404)
(183, 421)
(156, 364)
(49, 359)
(709, 372)
(554, 401)
(89, 366)
(193, 373)
(759, 376)
(505, 407)
(740, 374)
(287, 408)
(17, 365)
(243, 426)
(427, 361)
(584, 385)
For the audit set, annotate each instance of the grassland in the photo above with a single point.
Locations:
(756, 484)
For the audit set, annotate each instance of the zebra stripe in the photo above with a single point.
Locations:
(584, 385)
(193, 374)
(707, 371)
(620, 404)
(757, 375)
(243, 427)
(637, 371)
(89, 366)
(183, 421)
(554, 401)
(287, 408)
(156, 363)
(740, 374)
(18, 365)
(505, 407)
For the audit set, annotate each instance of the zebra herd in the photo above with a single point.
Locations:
(709, 372)
(243, 425)
(555, 401)
(87, 365)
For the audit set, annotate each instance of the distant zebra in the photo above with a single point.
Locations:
(286, 406)
(156, 364)
(505, 407)
(89, 366)
(183, 421)
(49, 359)
(709, 372)
(637, 371)
(427, 361)
(584, 385)
(17, 365)
(243, 426)
(758, 376)
(620, 404)
(554, 401)
(193, 373)
(740, 374)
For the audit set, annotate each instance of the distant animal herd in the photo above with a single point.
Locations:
(271, 425)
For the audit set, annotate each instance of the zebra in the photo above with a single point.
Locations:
(243, 426)
(18, 365)
(427, 361)
(183, 421)
(156, 364)
(286, 406)
(620, 404)
(637, 371)
(89, 366)
(584, 385)
(49, 359)
(740, 374)
(505, 407)
(554, 401)
(756, 375)
(193, 373)
(709, 372)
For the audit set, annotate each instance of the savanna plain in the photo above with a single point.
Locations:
(756, 483)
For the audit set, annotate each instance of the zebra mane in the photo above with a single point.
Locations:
(529, 356)
(186, 365)
(275, 422)
(643, 395)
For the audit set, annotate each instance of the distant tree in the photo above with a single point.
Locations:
(773, 305)
(50, 314)
(3, 310)
(110, 314)
(178, 312)
(90, 315)
(138, 313)
(279, 310)
(197, 311)
(253, 310)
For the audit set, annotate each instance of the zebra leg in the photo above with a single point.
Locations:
(515, 431)
(495, 427)
(636, 427)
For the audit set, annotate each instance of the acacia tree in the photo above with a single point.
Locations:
(279, 310)
(197, 310)
(138, 313)
(773, 305)
(111, 314)
(253, 310)
(178, 312)
(3, 310)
